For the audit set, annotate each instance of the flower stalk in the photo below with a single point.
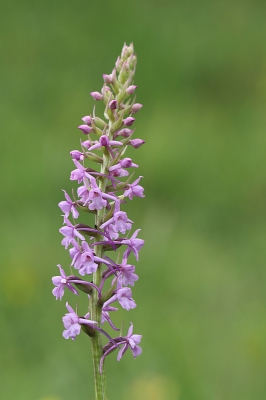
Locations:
(103, 191)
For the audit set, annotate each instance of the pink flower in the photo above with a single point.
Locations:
(78, 174)
(70, 233)
(61, 282)
(68, 206)
(72, 322)
(119, 222)
(134, 189)
(132, 342)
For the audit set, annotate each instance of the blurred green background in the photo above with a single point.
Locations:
(201, 76)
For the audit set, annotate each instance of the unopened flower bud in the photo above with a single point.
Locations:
(106, 93)
(107, 78)
(127, 163)
(96, 95)
(125, 49)
(125, 132)
(129, 121)
(118, 63)
(85, 129)
(87, 120)
(87, 144)
(110, 79)
(132, 61)
(124, 73)
(131, 89)
(113, 104)
(136, 107)
(136, 143)
(77, 155)
(130, 49)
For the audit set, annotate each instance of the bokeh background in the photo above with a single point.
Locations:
(201, 76)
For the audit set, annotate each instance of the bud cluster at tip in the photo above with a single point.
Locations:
(105, 178)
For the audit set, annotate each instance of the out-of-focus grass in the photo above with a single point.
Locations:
(201, 295)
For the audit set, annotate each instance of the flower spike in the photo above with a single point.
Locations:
(96, 222)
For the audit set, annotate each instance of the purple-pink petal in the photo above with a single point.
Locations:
(136, 351)
(122, 351)
(124, 298)
(56, 280)
(72, 331)
(130, 330)
(58, 292)
(65, 207)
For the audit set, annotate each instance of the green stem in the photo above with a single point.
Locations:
(96, 343)
(96, 311)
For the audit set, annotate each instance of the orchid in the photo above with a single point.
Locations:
(70, 233)
(68, 206)
(134, 189)
(128, 341)
(61, 282)
(79, 173)
(73, 323)
(102, 193)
